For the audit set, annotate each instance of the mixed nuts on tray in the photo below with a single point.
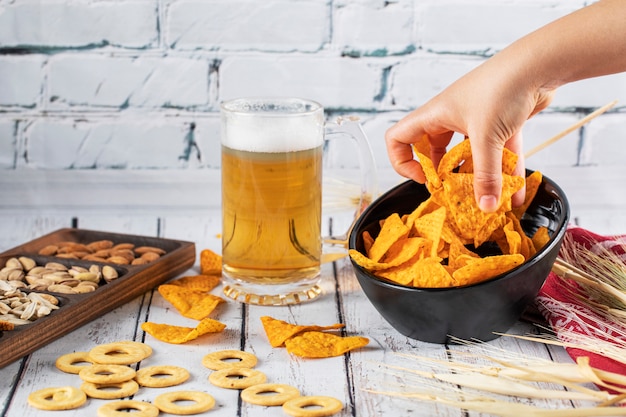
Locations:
(25, 285)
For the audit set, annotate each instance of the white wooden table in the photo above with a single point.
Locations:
(346, 377)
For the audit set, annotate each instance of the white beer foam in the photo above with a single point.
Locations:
(272, 134)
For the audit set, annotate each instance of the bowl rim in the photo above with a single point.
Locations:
(555, 239)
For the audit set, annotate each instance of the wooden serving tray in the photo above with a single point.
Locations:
(78, 309)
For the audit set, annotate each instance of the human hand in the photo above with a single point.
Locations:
(489, 105)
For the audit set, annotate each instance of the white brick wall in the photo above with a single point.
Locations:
(125, 85)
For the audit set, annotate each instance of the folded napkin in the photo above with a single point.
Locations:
(562, 311)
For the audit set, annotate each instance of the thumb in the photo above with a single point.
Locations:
(487, 159)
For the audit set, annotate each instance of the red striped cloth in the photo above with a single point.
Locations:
(562, 311)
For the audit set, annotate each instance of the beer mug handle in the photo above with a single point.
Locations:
(350, 127)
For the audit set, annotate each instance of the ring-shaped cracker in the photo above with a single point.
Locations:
(117, 353)
(57, 398)
(249, 377)
(66, 363)
(102, 391)
(201, 402)
(143, 346)
(269, 394)
(106, 373)
(174, 375)
(218, 360)
(324, 406)
(113, 409)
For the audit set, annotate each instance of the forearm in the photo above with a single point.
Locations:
(587, 43)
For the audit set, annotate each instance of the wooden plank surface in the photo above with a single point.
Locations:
(348, 377)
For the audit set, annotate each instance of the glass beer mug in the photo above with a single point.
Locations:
(272, 196)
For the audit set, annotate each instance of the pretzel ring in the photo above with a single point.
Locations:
(57, 398)
(143, 346)
(147, 377)
(122, 389)
(106, 374)
(117, 353)
(250, 377)
(67, 363)
(296, 407)
(201, 402)
(113, 409)
(275, 394)
(217, 360)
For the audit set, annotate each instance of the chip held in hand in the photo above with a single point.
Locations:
(440, 244)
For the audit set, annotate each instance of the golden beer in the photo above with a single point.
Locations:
(271, 214)
(271, 196)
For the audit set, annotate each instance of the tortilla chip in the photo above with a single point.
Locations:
(405, 249)
(533, 181)
(368, 241)
(197, 282)
(432, 274)
(430, 226)
(509, 161)
(459, 254)
(315, 344)
(392, 230)
(210, 263)
(422, 145)
(179, 334)
(482, 269)
(402, 274)
(453, 158)
(433, 181)
(278, 331)
(541, 238)
(190, 303)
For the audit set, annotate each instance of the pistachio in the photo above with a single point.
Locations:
(39, 287)
(60, 288)
(82, 289)
(6, 272)
(17, 284)
(69, 282)
(13, 263)
(56, 266)
(75, 269)
(33, 279)
(93, 285)
(87, 276)
(38, 270)
(51, 299)
(16, 275)
(109, 273)
(27, 263)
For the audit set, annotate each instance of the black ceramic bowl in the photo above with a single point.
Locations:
(476, 311)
